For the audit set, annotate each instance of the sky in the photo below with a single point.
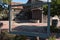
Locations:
(24, 1)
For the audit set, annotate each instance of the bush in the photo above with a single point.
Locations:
(7, 36)
(4, 15)
(52, 38)
(54, 30)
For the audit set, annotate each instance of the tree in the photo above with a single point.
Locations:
(55, 7)
(4, 11)
(7, 1)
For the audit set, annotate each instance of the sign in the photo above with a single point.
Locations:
(27, 27)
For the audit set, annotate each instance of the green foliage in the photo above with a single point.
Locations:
(7, 1)
(58, 1)
(4, 12)
(4, 15)
(7, 36)
(52, 38)
(54, 29)
(21, 37)
(55, 8)
(1, 8)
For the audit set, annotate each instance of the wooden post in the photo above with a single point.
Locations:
(1, 24)
(38, 21)
(42, 17)
(0, 30)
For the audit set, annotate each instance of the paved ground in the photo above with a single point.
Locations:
(29, 27)
(25, 26)
(14, 24)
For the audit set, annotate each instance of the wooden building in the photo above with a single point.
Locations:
(37, 14)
